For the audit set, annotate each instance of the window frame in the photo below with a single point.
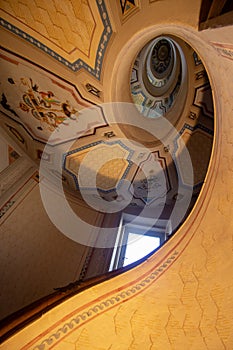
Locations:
(162, 230)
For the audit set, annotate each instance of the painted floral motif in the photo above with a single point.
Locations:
(155, 185)
(41, 103)
(44, 106)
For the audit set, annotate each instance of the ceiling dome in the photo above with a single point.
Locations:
(157, 76)
(160, 62)
(161, 57)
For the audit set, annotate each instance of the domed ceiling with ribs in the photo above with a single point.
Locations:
(36, 100)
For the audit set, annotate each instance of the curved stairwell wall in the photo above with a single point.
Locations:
(181, 297)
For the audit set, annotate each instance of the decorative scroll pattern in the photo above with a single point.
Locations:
(105, 304)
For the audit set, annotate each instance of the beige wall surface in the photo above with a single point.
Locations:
(35, 257)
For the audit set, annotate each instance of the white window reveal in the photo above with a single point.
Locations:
(137, 240)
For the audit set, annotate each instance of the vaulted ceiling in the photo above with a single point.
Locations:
(40, 99)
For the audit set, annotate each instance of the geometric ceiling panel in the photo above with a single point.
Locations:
(204, 100)
(199, 146)
(107, 162)
(41, 102)
(128, 7)
(74, 32)
(156, 184)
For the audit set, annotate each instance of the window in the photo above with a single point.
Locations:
(134, 241)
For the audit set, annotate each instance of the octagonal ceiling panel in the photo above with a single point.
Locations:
(155, 186)
(76, 33)
(107, 162)
(40, 102)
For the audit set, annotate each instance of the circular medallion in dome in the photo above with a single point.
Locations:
(161, 58)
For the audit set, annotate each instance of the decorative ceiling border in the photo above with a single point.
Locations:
(78, 64)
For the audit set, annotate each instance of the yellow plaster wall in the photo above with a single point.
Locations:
(35, 257)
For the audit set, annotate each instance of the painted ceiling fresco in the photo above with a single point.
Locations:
(157, 185)
(36, 104)
(41, 102)
(114, 161)
(75, 33)
(110, 160)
